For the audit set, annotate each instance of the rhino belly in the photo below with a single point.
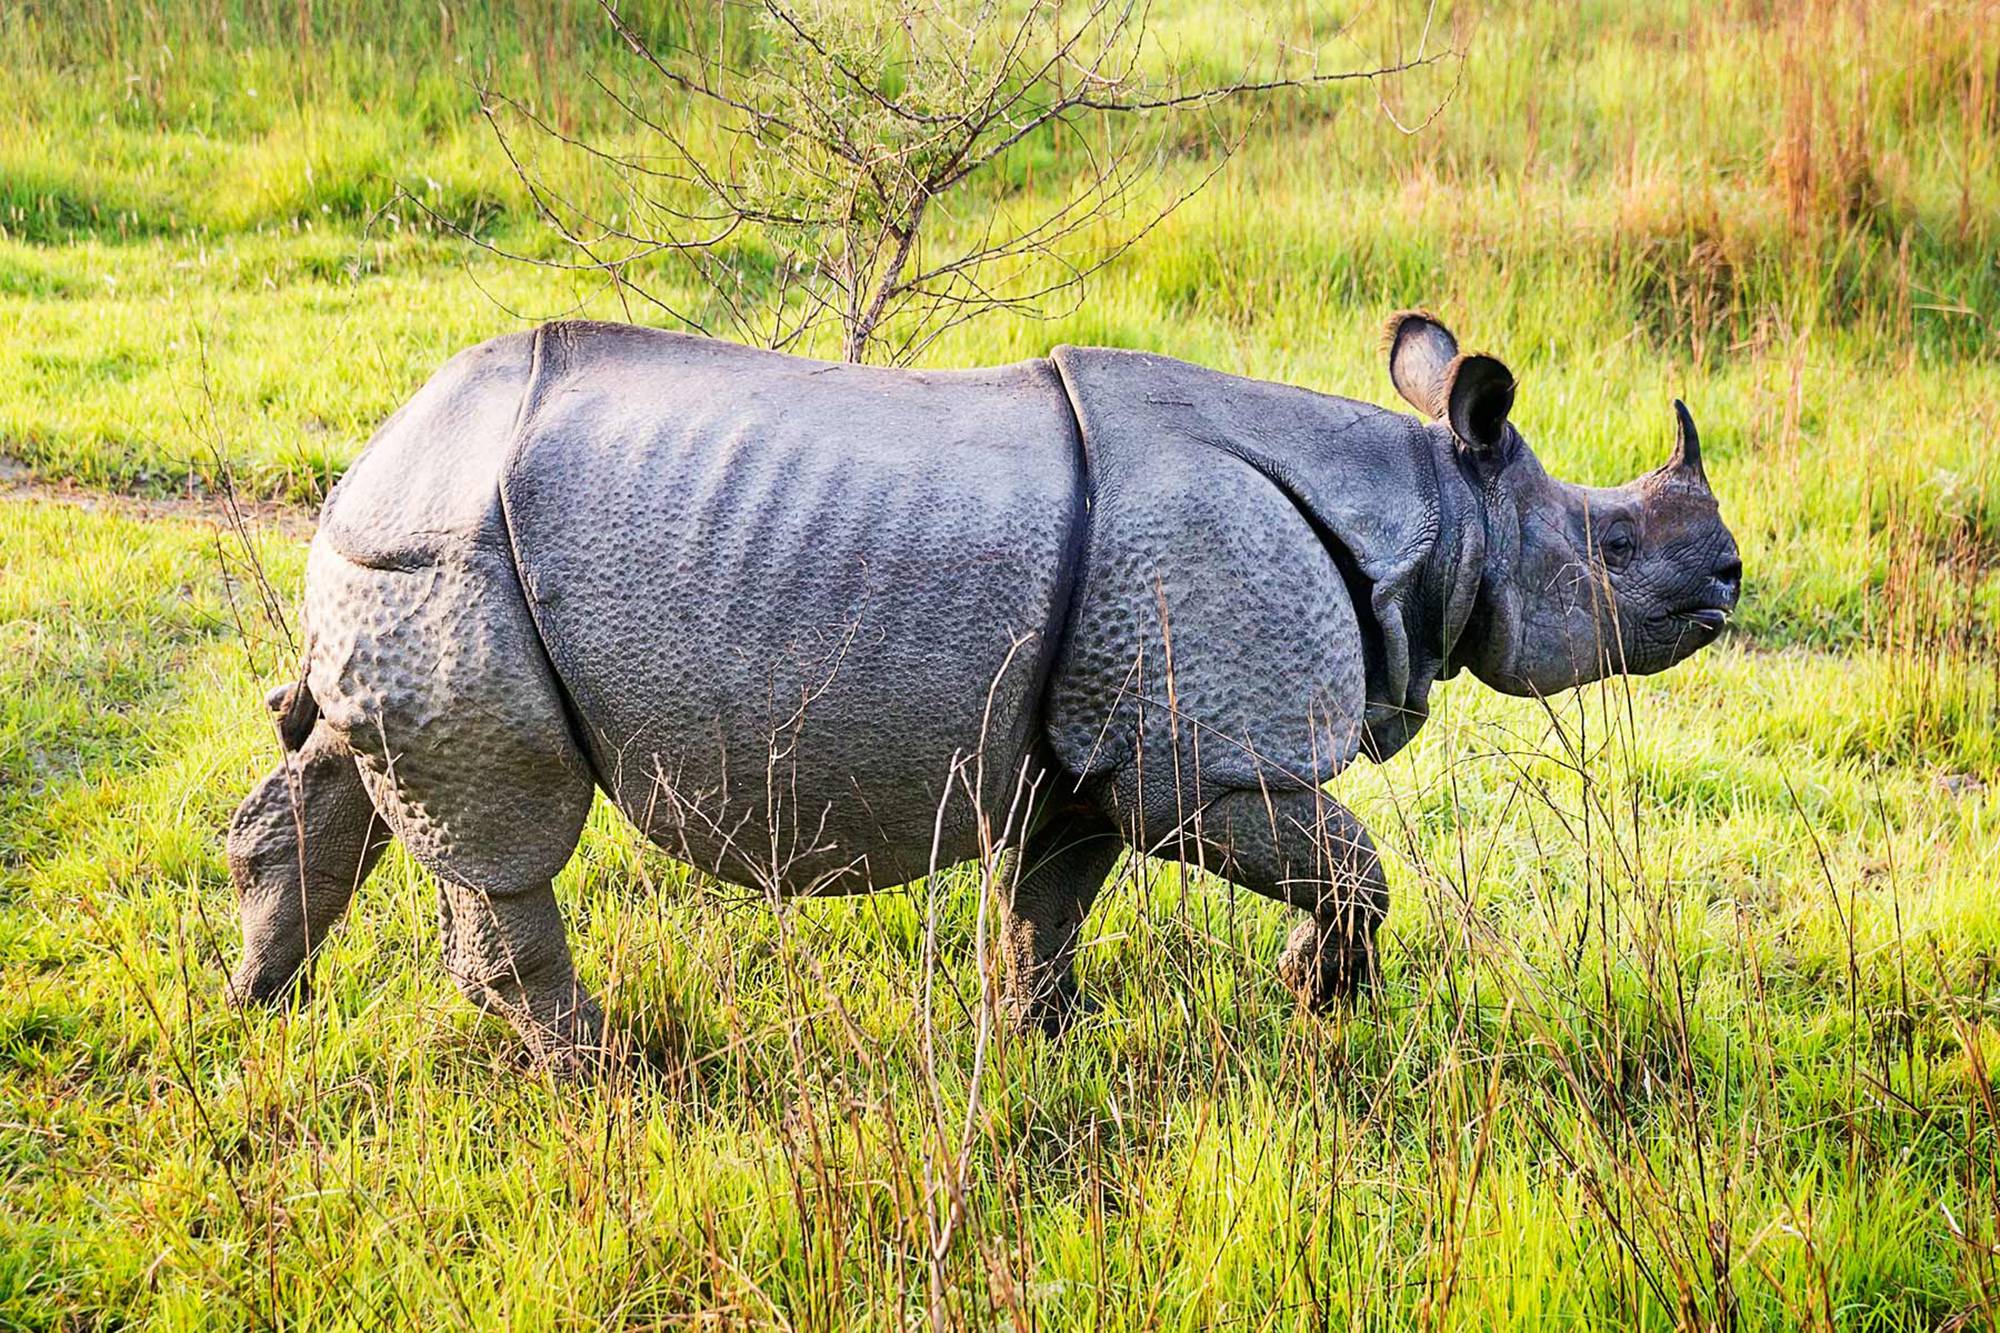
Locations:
(804, 611)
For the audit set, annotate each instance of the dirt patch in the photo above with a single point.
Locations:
(18, 483)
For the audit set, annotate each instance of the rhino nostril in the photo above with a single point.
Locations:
(1728, 582)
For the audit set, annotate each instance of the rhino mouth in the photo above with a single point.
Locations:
(1708, 620)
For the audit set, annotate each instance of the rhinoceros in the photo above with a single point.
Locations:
(822, 628)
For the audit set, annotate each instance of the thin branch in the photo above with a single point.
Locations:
(849, 184)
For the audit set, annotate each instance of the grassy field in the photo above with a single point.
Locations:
(1692, 1005)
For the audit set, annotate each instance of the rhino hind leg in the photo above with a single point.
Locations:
(1063, 864)
(299, 846)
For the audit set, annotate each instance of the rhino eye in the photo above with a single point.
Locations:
(1616, 547)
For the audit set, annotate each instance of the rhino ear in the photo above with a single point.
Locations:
(1479, 393)
(1420, 351)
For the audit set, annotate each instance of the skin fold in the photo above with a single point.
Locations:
(821, 628)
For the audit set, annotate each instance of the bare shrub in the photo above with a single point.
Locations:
(889, 172)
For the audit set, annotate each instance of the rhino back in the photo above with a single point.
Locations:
(427, 486)
(786, 597)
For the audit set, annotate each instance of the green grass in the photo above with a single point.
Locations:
(1625, 209)
(1692, 1013)
(1765, 1030)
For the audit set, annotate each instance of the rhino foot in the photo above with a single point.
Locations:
(1325, 967)
(1054, 1013)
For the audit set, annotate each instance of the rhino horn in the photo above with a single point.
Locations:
(1686, 456)
(1421, 351)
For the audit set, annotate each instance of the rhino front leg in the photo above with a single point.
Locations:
(1310, 851)
(494, 836)
(1063, 864)
(509, 954)
(435, 676)
(1307, 850)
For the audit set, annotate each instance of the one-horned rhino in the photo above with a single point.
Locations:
(822, 628)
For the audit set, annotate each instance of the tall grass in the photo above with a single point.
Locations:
(1784, 214)
(1691, 1014)
(1688, 1020)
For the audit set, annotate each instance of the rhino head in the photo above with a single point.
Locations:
(1578, 582)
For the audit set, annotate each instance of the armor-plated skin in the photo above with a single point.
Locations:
(822, 628)
(774, 600)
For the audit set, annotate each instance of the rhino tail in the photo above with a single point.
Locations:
(296, 712)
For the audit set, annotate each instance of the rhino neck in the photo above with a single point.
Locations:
(1457, 569)
(1486, 640)
(1399, 521)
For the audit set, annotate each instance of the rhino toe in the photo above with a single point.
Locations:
(1324, 968)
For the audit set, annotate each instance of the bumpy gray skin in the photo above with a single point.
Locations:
(820, 628)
